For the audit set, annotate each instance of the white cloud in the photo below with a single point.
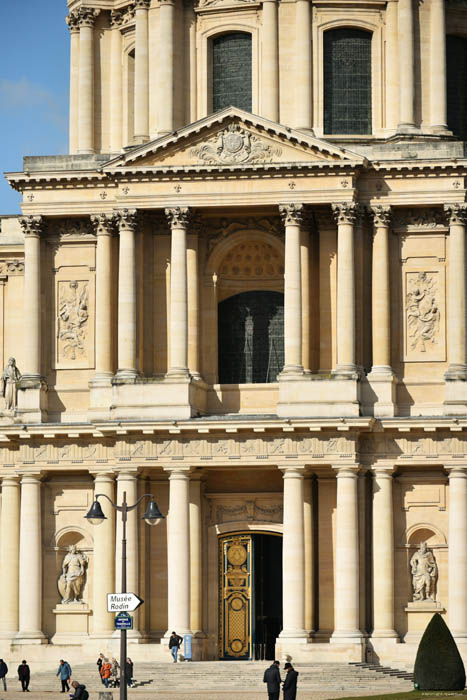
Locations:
(24, 95)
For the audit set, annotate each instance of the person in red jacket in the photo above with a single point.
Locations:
(106, 671)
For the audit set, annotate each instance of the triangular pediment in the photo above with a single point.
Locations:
(233, 138)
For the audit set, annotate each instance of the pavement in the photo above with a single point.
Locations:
(143, 694)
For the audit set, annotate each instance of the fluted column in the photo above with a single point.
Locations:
(196, 556)
(9, 556)
(457, 555)
(383, 553)
(104, 226)
(73, 26)
(178, 551)
(104, 558)
(127, 481)
(30, 562)
(193, 304)
(179, 218)
(116, 82)
(165, 87)
(381, 297)
(306, 318)
(346, 594)
(345, 214)
(127, 308)
(292, 216)
(457, 369)
(86, 20)
(438, 113)
(270, 62)
(141, 71)
(293, 555)
(32, 228)
(406, 66)
(303, 71)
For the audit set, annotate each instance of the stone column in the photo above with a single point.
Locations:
(406, 66)
(178, 218)
(308, 554)
(141, 71)
(127, 351)
(303, 71)
(32, 227)
(178, 551)
(165, 88)
(456, 332)
(292, 216)
(438, 113)
(9, 556)
(104, 226)
(116, 82)
(30, 562)
(293, 555)
(383, 553)
(392, 83)
(457, 560)
(345, 214)
(73, 26)
(270, 62)
(381, 293)
(193, 304)
(104, 558)
(346, 594)
(305, 275)
(196, 556)
(127, 481)
(86, 19)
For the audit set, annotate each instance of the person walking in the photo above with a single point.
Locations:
(3, 672)
(290, 683)
(115, 673)
(174, 645)
(129, 672)
(80, 691)
(99, 663)
(105, 671)
(272, 677)
(64, 671)
(24, 675)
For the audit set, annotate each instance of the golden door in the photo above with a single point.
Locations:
(235, 597)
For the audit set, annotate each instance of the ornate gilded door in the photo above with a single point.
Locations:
(235, 597)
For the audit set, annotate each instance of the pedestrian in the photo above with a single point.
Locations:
(3, 672)
(129, 672)
(272, 677)
(80, 691)
(115, 673)
(24, 675)
(64, 671)
(105, 671)
(99, 663)
(290, 683)
(174, 645)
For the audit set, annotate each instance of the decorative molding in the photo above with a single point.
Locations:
(72, 21)
(381, 215)
(142, 4)
(71, 228)
(418, 218)
(127, 219)
(31, 225)
(252, 260)
(178, 217)
(11, 267)
(246, 509)
(222, 228)
(72, 319)
(456, 213)
(87, 16)
(345, 212)
(235, 145)
(422, 310)
(104, 224)
(291, 214)
(116, 19)
(221, 4)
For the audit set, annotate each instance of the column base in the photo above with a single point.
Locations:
(455, 401)
(101, 379)
(138, 140)
(125, 376)
(456, 372)
(32, 399)
(342, 371)
(178, 374)
(30, 638)
(100, 396)
(346, 637)
(314, 396)
(291, 373)
(379, 393)
(386, 634)
(407, 129)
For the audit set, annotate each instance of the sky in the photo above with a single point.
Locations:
(34, 77)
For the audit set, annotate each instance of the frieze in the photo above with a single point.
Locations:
(71, 228)
(255, 509)
(235, 145)
(418, 218)
(12, 267)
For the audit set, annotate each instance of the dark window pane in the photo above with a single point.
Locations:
(231, 71)
(456, 64)
(347, 82)
(251, 338)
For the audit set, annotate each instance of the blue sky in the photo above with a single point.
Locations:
(34, 75)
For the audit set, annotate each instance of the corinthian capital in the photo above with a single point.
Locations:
(127, 219)
(116, 19)
(345, 212)
(456, 213)
(73, 21)
(31, 225)
(178, 217)
(381, 215)
(142, 4)
(291, 213)
(87, 16)
(104, 224)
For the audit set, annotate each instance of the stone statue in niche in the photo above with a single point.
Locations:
(73, 315)
(424, 572)
(422, 311)
(9, 381)
(73, 576)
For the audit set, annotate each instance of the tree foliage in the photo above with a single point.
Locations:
(438, 665)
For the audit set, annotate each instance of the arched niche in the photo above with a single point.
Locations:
(424, 532)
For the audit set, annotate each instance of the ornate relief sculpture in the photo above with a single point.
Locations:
(73, 576)
(424, 572)
(422, 311)
(292, 214)
(8, 386)
(235, 145)
(72, 319)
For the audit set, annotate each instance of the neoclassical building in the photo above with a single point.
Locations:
(243, 292)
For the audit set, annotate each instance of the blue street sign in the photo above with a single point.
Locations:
(123, 621)
(187, 646)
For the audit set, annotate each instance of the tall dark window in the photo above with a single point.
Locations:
(456, 65)
(231, 71)
(347, 82)
(251, 338)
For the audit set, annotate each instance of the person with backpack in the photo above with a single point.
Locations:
(174, 645)
(64, 671)
(80, 691)
(3, 672)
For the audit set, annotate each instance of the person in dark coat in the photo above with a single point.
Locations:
(174, 645)
(290, 683)
(80, 691)
(272, 677)
(3, 672)
(99, 663)
(129, 672)
(24, 675)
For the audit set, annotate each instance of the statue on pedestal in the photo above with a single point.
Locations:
(8, 385)
(424, 574)
(72, 579)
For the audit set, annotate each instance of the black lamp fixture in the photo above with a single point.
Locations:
(95, 514)
(152, 516)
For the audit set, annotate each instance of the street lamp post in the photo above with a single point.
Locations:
(152, 516)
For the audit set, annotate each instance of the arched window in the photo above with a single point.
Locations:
(347, 82)
(251, 337)
(456, 65)
(231, 71)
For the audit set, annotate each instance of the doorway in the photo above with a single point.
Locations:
(250, 595)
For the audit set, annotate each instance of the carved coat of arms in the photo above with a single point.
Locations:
(235, 145)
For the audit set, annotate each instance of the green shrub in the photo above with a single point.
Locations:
(438, 665)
